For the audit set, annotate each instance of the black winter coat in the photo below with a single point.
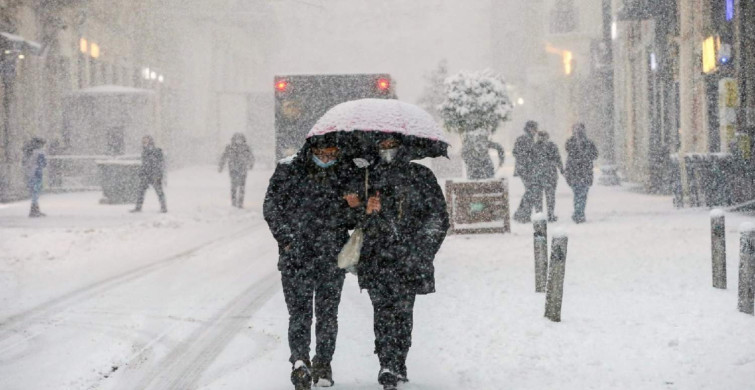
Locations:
(523, 154)
(546, 163)
(402, 239)
(153, 163)
(307, 215)
(580, 154)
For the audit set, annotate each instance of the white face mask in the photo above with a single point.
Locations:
(388, 155)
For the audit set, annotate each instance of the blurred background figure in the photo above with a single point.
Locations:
(151, 173)
(34, 163)
(523, 168)
(239, 158)
(476, 157)
(546, 162)
(580, 154)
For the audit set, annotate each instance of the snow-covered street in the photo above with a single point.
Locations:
(93, 297)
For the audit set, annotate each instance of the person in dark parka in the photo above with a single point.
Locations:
(405, 223)
(524, 169)
(308, 216)
(547, 164)
(580, 154)
(151, 173)
(240, 159)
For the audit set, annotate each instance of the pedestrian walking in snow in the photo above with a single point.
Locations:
(405, 223)
(580, 154)
(151, 173)
(34, 162)
(240, 159)
(524, 169)
(309, 217)
(546, 160)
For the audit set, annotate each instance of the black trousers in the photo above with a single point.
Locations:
(550, 197)
(144, 183)
(524, 211)
(238, 186)
(300, 289)
(393, 313)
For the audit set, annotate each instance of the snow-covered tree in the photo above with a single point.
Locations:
(475, 101)
(475, 104)
(433, 94)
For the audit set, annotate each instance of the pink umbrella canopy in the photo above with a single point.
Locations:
(384, 115)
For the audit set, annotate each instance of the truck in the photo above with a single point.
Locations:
(300, 100)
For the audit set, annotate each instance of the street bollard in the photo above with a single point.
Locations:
(540, 225)
(555, 289)
(746, 302)
(718, 247)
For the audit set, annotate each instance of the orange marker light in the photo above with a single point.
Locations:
(383, 84)
(281, 85)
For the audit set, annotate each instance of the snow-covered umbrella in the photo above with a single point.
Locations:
(420, 133)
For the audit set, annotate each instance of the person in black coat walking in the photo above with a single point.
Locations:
(580, 154)
(405, 223)
(524, 169)
(240, 159)
(547, 164)
(309, 217)
(151, 173)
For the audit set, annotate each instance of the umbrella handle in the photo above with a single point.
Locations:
(366, 182)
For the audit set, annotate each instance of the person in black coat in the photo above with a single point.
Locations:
(309, 217)
(405, 223)
(547, 164)
(240, 159)
(523, 168)
(580, 154)
(151, 173)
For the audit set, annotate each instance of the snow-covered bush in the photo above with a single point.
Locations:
(475, 101)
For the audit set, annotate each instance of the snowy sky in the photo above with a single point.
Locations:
(404, 38)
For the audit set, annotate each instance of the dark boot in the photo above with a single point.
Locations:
(34, 212)
(301, 377)
(388, 379)
(322, 374)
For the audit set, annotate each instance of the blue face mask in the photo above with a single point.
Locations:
(323, 164)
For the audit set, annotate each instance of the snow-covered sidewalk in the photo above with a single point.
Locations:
(93, 297)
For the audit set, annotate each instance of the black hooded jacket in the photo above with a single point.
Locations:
(580, 154)
(402, 239)
(306, 213)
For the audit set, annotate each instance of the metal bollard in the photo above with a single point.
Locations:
(540, 225)
(746, 302)
(718, 247)
(555, 289)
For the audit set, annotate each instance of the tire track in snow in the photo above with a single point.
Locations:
(183, 367)
(16, 324)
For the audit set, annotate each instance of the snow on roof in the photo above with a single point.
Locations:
(385, 115)
(12, 37)
(18, 38)
(113, 89)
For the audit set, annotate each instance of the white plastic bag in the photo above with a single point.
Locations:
(349, 255)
